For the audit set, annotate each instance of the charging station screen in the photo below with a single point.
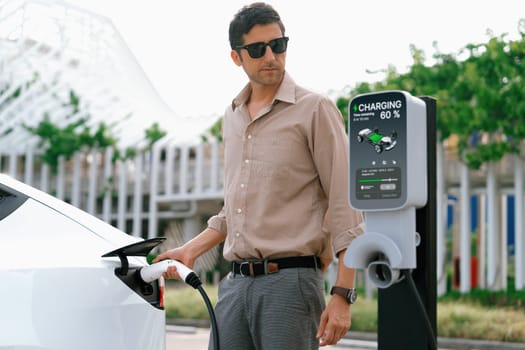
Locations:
(377, 139)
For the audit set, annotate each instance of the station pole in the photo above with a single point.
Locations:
(407, 321)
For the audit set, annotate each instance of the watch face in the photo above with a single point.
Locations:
(352, 296)
(349, 294)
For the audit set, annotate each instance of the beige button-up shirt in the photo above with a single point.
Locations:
(286, 178)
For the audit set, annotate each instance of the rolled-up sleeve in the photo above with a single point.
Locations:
(218, 222)
(330, 152)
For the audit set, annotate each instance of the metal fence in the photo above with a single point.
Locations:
(131, 194)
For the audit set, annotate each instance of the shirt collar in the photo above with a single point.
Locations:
(285, 93)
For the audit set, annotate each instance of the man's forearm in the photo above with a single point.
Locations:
(345, 275)
(204, 241)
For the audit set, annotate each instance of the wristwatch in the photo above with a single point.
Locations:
(350, 294)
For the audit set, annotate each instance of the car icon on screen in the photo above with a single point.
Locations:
(379, 141)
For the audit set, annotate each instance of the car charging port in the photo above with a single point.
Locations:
(147, 280)
(147, 289)
(150, 291)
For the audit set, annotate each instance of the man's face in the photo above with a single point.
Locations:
(267, 70)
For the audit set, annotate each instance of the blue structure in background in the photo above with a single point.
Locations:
(474, 218)
(511, 229)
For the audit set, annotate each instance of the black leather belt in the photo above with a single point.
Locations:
(254, 268)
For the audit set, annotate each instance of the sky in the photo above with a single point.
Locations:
(182, 45)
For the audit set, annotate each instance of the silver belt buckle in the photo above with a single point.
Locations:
(240, 268)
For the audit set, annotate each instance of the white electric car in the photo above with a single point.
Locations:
(69, 280)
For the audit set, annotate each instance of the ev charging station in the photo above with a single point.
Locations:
(392, 181)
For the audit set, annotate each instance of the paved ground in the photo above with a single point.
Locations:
(184, 337)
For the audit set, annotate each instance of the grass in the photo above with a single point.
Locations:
(480, 315)
(184, 302)
(465, 320)
(483, 314)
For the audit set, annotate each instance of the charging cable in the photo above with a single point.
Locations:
(428, 325)
(154, 271)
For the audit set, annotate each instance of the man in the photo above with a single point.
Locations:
(285, 208)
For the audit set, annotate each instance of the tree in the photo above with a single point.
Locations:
(481, 99)
(64, 141)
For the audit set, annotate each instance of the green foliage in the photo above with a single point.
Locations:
(215, 131)
(74, 101)
(71, 138)
(153, 134)
(469, 321)
(509, 298)
(483, 314)
(482, 153)
(480, 98)
(64, 141)
(185, 303)
(16, 92)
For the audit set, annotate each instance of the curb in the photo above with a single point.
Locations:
(451, 343)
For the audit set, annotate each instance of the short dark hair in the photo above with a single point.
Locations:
(248, 17)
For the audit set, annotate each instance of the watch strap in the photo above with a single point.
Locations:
(348, 293)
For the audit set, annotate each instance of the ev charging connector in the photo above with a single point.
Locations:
(154, 271)
(388, 181)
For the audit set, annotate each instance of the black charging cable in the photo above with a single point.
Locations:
(430, 330)
(154, 271)
(193, 280)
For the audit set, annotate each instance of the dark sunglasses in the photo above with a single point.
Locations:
(257, 50)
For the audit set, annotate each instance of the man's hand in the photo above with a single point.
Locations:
(191, 250)
(174, 254)
(335, 321)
